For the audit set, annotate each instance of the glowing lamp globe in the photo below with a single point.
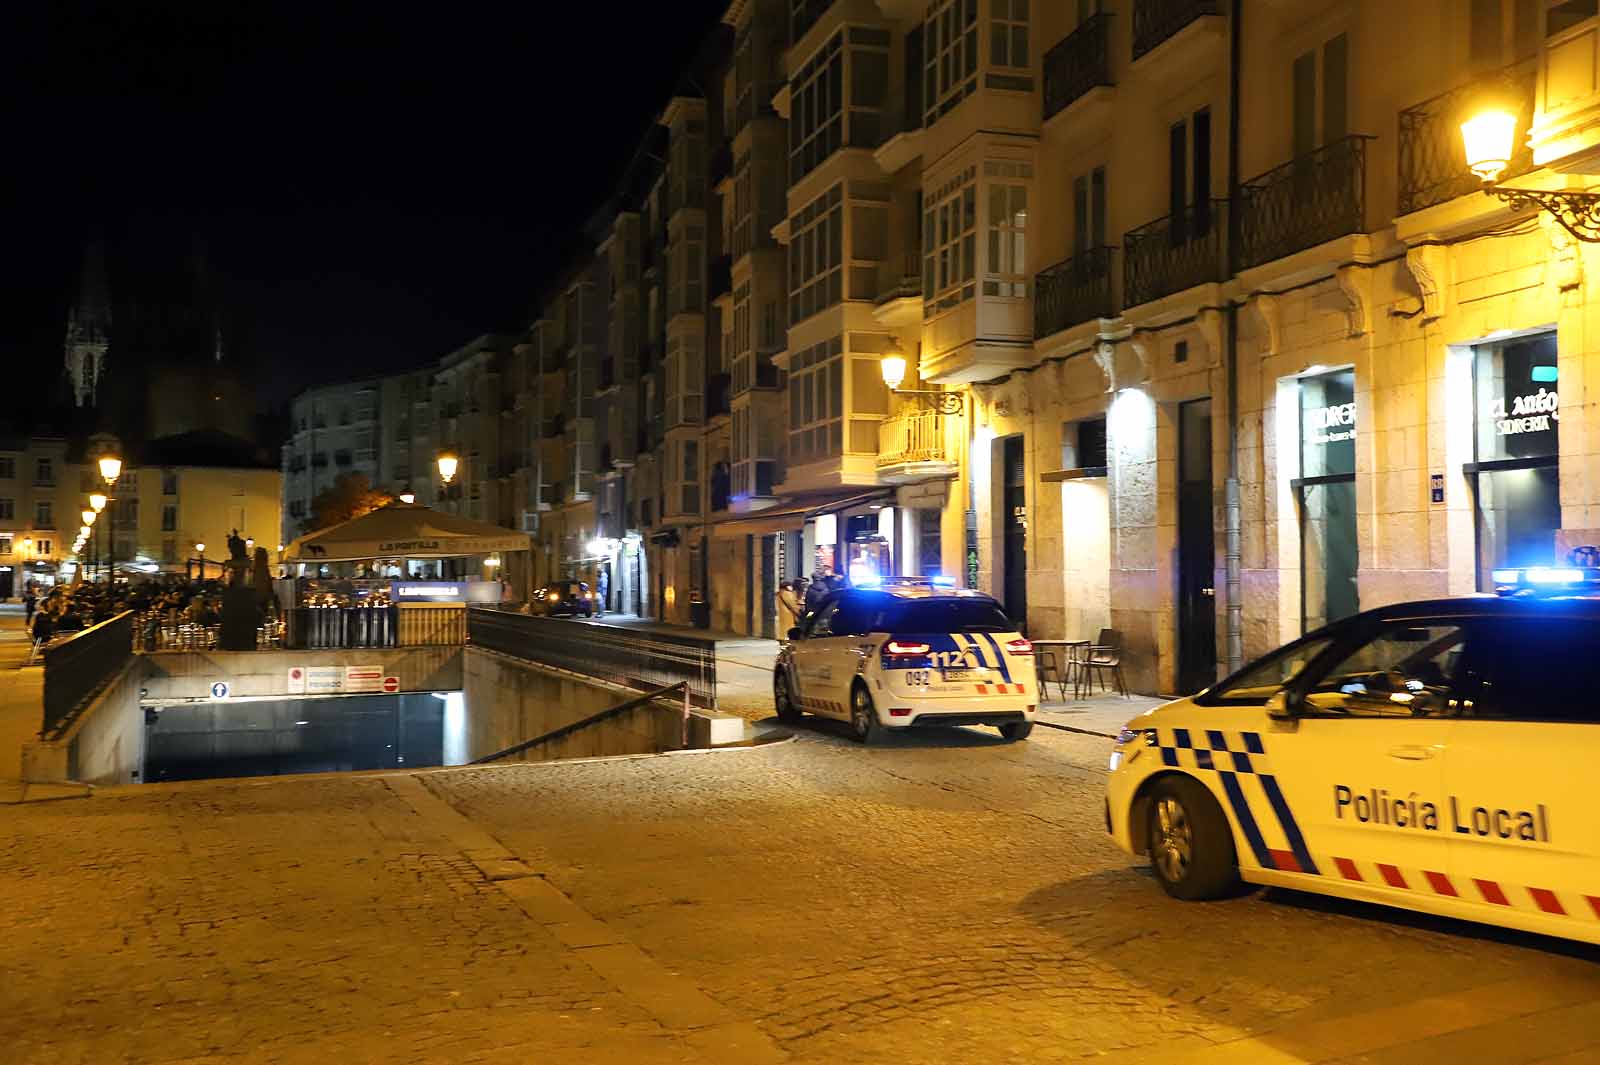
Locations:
(447, 467)
(110, 468)
(88, 517)
(98, 502)
(1489, 138)
(893, 366)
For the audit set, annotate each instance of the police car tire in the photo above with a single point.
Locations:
(873, 731)
(1213, 866)
(1016, 730)
(787, 711)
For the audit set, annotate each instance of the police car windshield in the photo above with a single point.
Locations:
(945, 615)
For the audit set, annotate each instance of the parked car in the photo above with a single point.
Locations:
(569, 599)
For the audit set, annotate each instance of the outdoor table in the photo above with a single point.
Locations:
(1069, 659)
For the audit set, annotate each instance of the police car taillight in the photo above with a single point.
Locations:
(1019, 646)
(902, 649)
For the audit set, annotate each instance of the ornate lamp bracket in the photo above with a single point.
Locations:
(935, 399)
(1577, 212)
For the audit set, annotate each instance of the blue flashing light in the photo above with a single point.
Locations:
(1545, 374)
(940, 581)
(1507, 576)
(871, 580)
(1554, 575)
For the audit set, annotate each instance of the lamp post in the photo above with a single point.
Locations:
(97, 503)
(200, 549)
(89, 517)
(1489, 139)
(892, 365)
(110, 470)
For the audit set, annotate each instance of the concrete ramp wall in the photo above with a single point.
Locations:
(179, 676)
(103, 745)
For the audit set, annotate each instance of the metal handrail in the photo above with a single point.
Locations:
(1079, 62)
(1433, 161)
(592, 719)
(1308, 200)
(77, 668)
(1072, 292)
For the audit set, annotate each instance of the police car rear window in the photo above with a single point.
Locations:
(945, 615)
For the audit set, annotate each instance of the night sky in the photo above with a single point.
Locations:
(372, 187)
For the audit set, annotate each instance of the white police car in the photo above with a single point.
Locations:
(1432, 755)
(908, 654)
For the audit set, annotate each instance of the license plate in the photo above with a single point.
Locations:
(957, 674)
(918, 678)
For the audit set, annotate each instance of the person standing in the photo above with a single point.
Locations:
(788, 609)
(602, 588)
(817, 592)
(29, 601)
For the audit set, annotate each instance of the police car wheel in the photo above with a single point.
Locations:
(787, 711)
(1191, 848)
(1016, 730)
(864, 724)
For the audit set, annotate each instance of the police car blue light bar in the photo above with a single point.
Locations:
(1581, 575)
(1553, 575)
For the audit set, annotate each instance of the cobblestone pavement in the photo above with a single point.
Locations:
(954, 898)
(938, 898)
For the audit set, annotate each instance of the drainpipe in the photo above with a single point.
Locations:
(1234, 561)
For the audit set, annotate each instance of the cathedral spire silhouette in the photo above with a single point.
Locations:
(88, 336)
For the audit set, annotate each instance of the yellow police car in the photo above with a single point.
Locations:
(908, 653)
(1433, 755)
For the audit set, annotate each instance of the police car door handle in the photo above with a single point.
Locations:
(1413, 754)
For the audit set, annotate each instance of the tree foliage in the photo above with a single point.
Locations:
(350, 496)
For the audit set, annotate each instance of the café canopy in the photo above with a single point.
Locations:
(404, 530)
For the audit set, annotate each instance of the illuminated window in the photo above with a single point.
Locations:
(816, 255)
(1007, 224)
(949, 243)
(950, 66)
(816, 402)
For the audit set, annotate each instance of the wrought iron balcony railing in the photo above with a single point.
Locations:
(913, 436)
(1079, 62)
(1154, 21)
(1072, 292)
(1174, 253)
(1433, 163)
(1304, 202)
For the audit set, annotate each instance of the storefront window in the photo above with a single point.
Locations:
(1326, 492)
(1517, 443)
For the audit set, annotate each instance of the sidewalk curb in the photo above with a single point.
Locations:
(1069, 728)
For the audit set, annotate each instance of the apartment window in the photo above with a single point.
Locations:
(169, 551)
(816, 116)
(8, 468)
(1089, 210)
(127, 512)
(1007, 194)
(689, 488)
(1321, 96)
(169, 481)
(949, 243)
(5, 545)
(816, 401)
(43, 516)
(686, 294)
(950, 45)
(44, 472)
(1008, 34)
(8, 509)
(686, 169)
(683, 373)
(1189, 177)
(1503, 31)
(42, 548)
(816, 255)
(169, 517)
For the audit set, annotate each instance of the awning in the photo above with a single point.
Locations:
(793, 511)
(404, 530)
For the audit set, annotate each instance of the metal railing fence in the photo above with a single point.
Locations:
(78, 667)
(629, 657)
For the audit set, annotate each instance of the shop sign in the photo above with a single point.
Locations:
(1538, 412)
(1331, 425)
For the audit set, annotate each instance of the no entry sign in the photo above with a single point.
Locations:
(391, 684)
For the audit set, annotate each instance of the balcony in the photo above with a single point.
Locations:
(1305, 202)
(899, 301)
(1433, 165)
(1157, 21)
(1072, 292)
(1080, 63)
(911, 447)
(1173, 253)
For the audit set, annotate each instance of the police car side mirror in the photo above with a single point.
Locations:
(796, 633)
(1280, 707)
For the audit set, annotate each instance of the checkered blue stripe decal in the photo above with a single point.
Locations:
(1232, 756)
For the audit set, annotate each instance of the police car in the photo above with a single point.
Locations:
(908, 654)
(1436, 756)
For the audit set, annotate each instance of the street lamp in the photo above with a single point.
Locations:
(1489, 140)
(200, 549)
(408, 497)
(447, 466)
(110, 470)
(892, 364)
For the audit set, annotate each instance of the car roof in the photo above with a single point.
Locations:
(1488, 606)
(913, 591)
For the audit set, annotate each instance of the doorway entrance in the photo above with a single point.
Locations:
(1016, 530)
(1325, 493)
(1197, 546)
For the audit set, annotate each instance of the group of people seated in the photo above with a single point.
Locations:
(64, 609)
